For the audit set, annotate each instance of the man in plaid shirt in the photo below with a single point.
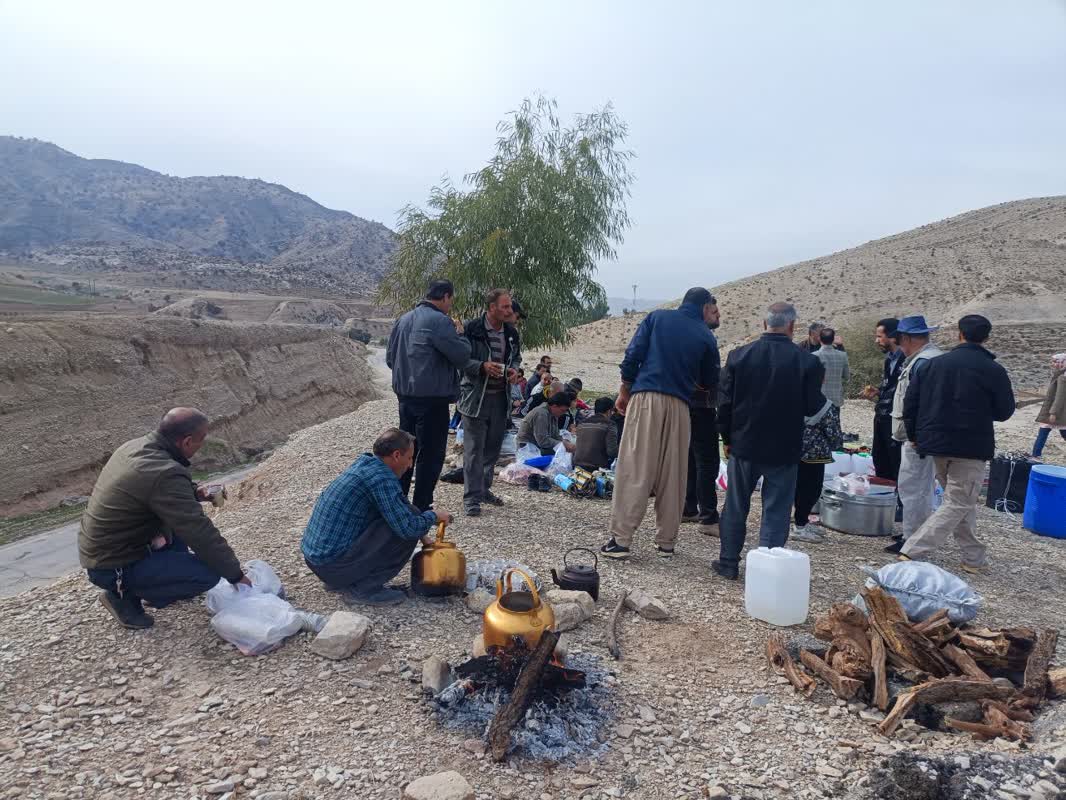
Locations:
(362, 530)
(837, 370)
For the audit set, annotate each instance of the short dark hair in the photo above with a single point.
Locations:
(492, 296)
(561, 399)
(545, 358)
(699, 296)
(889, 324)
(576, 383)
(438, 290)
(603, 405)
(175, 427)
(815, 326)
(521, 372)
(391, 440)
(975, 328)
(827, 335)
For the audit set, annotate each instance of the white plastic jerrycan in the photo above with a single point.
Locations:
(777, 585)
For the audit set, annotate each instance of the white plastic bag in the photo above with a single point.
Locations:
(723, 476)
(262, 576)
(526, 452)
(256, 623)
(510, 445)
(517, 473)
(923, 589)
(856, 484)
(562, 463)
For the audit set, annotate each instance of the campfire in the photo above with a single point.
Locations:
(529, 701)
(988, 683)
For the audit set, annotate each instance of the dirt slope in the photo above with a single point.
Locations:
(73, 388)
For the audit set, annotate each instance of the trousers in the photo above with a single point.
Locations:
(162, 577)
(809, 480)
(700, 495)
(886, 450)
(375, 557)
(425, 418)
(961, 479)
(916, 488)
(482, 442)
(778, 495)
(652, 458)
(1041, 440)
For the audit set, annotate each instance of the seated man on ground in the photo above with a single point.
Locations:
(597, 438)
(142, 512)
(554, 387)
(362, 530)
(540, 427)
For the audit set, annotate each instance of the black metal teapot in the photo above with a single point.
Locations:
(580, 577)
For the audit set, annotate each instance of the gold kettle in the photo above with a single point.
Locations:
(516, 614)
(438, 568)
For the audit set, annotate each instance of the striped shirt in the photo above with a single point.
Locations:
(837, 373)
(363, 494)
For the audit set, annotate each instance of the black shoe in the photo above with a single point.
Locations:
(664, 552)
(533, 483)
(472, 511)
(725, 571)
(127, 611)
(614, 550)
(546, 483)
(491, 499)
(895, 547)
(693, 517)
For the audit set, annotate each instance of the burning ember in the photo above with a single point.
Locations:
(568, 709)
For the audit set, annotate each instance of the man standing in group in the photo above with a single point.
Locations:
(768, 387)
(949, 412)
(915, 485)
(425, 352)
(485, 397)
(814, 339)
(701, 499)
(837, 369)
(886, 450)
(672, 352)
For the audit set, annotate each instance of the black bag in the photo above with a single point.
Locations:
(1008, 481)
(453, 476)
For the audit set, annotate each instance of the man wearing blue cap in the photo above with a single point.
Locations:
(915, 484)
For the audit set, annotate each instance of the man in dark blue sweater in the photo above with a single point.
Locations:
(670, 354)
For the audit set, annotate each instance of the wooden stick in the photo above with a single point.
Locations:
(612, 627)
(979, 729)
(961, 659)
(843, 687)
(941, 691)
(919, 650)
(526, 686)
(1017, 714)
(877, 648)
(1036, 667)
(932, 622)
(782, 663)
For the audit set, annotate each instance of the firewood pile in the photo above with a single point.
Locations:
(991, 682)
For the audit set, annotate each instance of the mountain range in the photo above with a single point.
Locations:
(102, 214)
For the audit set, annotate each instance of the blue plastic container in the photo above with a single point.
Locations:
(540, 462)
(1045, 501)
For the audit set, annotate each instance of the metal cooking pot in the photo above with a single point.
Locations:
(858, 514)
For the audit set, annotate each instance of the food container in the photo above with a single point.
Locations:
(861, 515)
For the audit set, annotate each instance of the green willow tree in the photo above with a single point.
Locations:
(536, 219)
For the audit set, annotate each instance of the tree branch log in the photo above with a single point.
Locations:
(843, 687)
(1036, 667)
(612, 627)
(526, 686)
(877, 649)
(941, 691)
(782, 663)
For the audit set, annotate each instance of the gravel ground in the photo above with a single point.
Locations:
(88, 710)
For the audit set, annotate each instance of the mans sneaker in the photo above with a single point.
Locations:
(546, 483)
(472, 511)
(806, 533)
(491, 499)
(895, 547)
(127, 611)
(694, 517)
(664, 552)
(708, 529)
(902, 557)
(975, 569)
(374, 597)
(614, 550)
(725, 571)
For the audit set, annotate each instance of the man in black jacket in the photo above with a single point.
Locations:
(701, 499)
(948, 411)
(767, 388)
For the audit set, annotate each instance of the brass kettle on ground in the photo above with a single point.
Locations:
(438, 568)
(516, 614)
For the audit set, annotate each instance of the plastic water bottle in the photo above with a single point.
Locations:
(777, 585)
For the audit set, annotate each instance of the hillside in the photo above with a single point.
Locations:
(98, 214)
(1006, 261)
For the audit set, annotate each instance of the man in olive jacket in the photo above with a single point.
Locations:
(144, 515)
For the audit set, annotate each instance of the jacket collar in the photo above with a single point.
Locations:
(692, 311)
(780, 337)
(165, 445)
(971, 346)
(914, 355)
(480, 327)
(430, 306)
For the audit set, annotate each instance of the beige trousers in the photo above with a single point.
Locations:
(652, 458)
(961, 479)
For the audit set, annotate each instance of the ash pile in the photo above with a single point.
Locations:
(541, 704)
(910, 776)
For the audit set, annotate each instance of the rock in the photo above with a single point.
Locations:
(220, 788)
(870, 715)
(583, 781)
(273, 796)
(436, 675)
(477, 647)
(624, 731)
(829, 772)
(344, 633)
(646, 714)
(744, 728)
(479, 599)
(716, 791)
(442, 786)
(583, 599)
(568, 616)
(647, 606)
(475, 746)
(760, 700)
(963, 762)
(257, 772)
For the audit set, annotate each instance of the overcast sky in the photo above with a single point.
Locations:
(765, 132)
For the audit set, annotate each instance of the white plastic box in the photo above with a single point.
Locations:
(777, 585)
